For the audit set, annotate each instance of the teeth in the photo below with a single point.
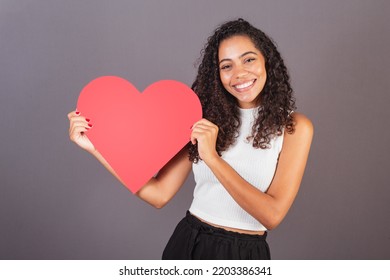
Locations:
(241, 86)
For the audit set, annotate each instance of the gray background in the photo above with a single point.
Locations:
(58, 202)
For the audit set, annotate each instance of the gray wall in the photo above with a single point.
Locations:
(58, 202)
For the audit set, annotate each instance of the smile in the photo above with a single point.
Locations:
(244, 86)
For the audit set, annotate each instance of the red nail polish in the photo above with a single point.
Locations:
(87, 120)
(77, 113)
(90, 125)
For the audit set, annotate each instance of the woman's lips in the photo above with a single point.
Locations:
(244, 86)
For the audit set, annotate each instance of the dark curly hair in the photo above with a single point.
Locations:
(220, 107)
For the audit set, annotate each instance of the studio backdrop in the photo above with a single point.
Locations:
(58, 202)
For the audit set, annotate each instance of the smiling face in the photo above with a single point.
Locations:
(242, 70)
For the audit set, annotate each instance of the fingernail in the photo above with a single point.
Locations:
(88, 120)
(77, 113)
(90, 125)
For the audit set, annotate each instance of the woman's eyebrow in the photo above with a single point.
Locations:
(250, 52)
(244, 54)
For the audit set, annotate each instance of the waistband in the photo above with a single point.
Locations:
(202, 227)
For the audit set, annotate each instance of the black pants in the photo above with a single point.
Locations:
(196, 240)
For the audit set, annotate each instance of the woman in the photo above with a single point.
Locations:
(248, 153)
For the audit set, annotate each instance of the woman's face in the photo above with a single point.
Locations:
(242, 70)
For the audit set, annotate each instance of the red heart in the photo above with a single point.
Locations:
(137, 133)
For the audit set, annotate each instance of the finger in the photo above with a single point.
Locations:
(76, 125)
(194, 137)
(80, 121)
(207, 122)
(199, 135)
(83, 123)
(204, 127)
(73, 114)
(205, 130)
(204, 123)
(198, 122)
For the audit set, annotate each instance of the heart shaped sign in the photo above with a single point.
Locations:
(138, 133)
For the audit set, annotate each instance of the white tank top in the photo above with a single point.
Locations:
(212, 202)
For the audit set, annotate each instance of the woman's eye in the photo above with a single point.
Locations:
(249, 59)
(225, 67)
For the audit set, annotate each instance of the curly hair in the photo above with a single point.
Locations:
(220, 107)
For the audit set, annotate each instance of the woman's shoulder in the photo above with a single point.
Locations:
(302, 125)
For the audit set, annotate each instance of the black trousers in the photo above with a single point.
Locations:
(196, 240)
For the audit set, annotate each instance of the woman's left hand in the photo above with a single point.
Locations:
(205, 133)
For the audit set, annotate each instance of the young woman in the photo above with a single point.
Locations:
(248, 153)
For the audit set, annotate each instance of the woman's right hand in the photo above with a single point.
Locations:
(78, 125)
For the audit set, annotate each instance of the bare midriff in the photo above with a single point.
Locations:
(253, 232)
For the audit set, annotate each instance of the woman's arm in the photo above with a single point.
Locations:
(158, 190)
(271, 207)
(161, 189)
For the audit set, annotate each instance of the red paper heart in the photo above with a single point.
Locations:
(138, 133)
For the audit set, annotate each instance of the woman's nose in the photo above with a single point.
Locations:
(240, 72)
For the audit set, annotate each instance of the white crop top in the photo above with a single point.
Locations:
(212, 202)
